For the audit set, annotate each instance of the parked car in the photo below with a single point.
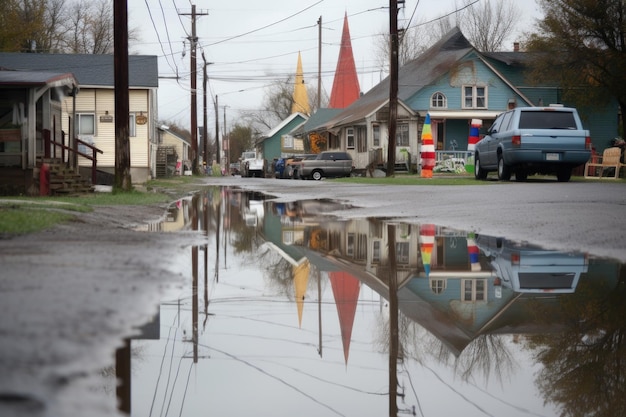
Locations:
(293, 165)
(326, 164)
(533, 140)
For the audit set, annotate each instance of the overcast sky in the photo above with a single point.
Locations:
(252, 43)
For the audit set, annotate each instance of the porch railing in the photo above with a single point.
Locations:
(452, 161)
(51, 146)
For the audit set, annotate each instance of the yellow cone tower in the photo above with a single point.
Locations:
(300, 95)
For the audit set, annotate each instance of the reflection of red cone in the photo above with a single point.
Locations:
(427, 150)
(427, 241)
(472, 251)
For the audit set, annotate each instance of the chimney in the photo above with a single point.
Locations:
(515, 46)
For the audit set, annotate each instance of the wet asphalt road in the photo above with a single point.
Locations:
(70, 295)
(579, 216)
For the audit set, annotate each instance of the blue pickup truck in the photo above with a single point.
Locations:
(533, 140)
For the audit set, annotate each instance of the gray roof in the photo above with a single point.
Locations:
(89, 69)
(34, 78)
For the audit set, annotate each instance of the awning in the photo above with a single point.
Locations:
(461, 114)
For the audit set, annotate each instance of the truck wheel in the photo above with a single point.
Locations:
(563, 174)
(316, 175)
(504, 171)
(479, 172)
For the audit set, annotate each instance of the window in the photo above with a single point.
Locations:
(474, 97)
(402, 252)
(350, 245)
(402, 135)
(438, 286)
(334, 141)
(474, 290)
(376, 251)
(85, 124)
(376, 134)
(132, 123)
(287, 141)
(361, 138)
(438, 101)
(350, 138)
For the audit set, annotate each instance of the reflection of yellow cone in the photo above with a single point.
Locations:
(301, 280)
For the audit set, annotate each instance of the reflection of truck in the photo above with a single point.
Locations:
(252, 165)
(531, 269)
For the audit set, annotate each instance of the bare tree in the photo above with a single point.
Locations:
(489, 23)
(277, 105)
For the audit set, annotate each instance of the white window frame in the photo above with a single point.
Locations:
(79, 124)
(474, 100)
(287, 142)
(402, 135)
(470, 291)
(132, 125)
(376, 135)
(350, 137)
(439, 101)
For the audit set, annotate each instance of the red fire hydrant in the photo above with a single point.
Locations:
(44, 180)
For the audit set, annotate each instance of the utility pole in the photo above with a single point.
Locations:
(122, 135)
(193, 40)
(319, 63)
(217, 131)
(393, 85)
(205, 130)
(226, 144)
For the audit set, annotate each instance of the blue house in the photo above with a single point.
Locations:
(454, 83)
(282, 141)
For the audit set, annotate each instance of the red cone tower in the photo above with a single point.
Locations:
(346, 88)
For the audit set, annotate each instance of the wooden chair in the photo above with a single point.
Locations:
(610, 159)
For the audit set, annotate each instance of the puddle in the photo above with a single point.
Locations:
(288, 311)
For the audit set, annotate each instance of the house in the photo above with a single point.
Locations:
(93, 108)
(454, 83)
(282, 141)
(172, 153)
(30, 104)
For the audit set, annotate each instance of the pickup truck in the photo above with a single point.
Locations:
(326, 164)
(252, 165)
(533, 140)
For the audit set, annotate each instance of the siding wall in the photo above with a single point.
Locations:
(101, 101)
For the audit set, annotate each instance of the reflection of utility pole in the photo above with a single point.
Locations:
(393, 321)
(194, 285)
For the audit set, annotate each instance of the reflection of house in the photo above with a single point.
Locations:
(30, 103)
(93, 110)
(454, 83)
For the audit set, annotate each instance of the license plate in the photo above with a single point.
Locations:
(553, 156)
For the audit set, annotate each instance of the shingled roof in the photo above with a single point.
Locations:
(89, 69)
(412, 77)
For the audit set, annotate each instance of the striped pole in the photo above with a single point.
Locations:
(473, 252)
(472, 140)
(427, 241)
(427, 150)
(474, 133)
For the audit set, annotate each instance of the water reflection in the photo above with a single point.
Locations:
(305, 314)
